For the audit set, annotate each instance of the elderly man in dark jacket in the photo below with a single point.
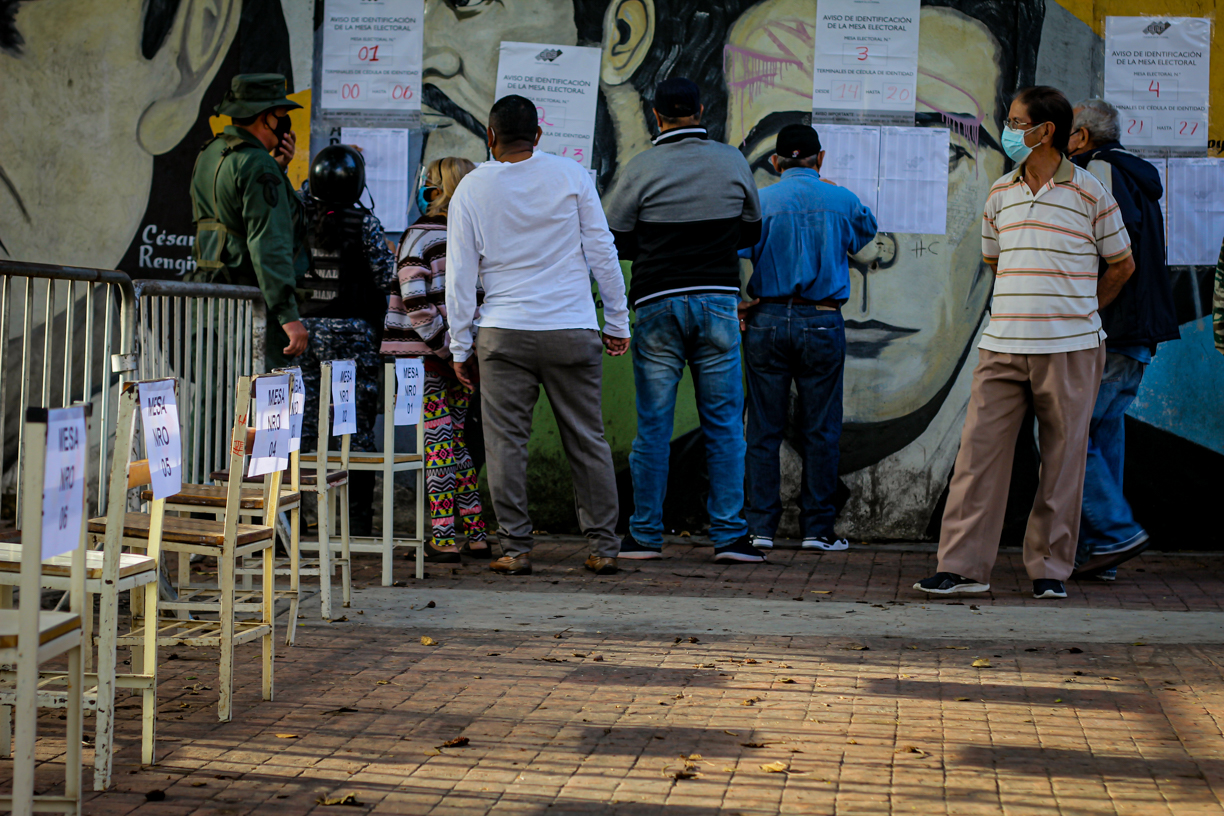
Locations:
(1141, 317)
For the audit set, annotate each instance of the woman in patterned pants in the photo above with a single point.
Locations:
(416, 327)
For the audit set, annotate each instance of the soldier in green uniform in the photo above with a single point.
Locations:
(250, 227)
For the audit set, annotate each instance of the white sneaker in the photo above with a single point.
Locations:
(821, 543)
(761, 542)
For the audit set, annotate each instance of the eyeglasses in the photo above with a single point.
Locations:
(1017, 124)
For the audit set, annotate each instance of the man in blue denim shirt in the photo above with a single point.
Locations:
(800, 279)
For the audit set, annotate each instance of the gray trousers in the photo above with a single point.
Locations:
(513, 366)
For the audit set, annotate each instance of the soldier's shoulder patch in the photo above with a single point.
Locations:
(271, 183)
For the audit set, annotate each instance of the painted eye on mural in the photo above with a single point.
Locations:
(468, 5)
(956, 154)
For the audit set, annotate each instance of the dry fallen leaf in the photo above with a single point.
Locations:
(774, 767)
(981, 663)
(577, 654)
(732, 733)
(754, 744)
(199, 784)
(852, 742)
(910, 749)
(341, 799)
(962, 699)
(750, 661)
(382, 682)
(287, 736)
(426, 640)
(457, 742)
(751, 701)
(341, 619)
(598, 658)
(822, 591)
(1115, 679)
(693, 640)
(857, 647)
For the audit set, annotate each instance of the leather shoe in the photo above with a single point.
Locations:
(600, 565)
(512, 565)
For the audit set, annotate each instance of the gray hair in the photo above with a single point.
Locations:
(1099, 118)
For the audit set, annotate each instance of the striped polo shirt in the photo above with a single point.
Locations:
(1047, 247)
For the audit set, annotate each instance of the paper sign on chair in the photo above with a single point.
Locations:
(270, 451)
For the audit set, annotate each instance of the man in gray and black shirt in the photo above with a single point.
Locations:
(680, 212)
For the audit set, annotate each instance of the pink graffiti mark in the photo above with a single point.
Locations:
(749, 71)
(968, 127)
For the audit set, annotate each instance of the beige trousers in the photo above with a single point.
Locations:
(1063, 388)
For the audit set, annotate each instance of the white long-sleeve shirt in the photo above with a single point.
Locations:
(530, 230)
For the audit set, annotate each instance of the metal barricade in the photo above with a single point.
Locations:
(73, 334)
(207, 335)
(75, 345)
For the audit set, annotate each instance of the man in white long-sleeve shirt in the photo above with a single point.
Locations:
(530, 226)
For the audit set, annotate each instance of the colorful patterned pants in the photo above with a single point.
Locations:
(450, 474)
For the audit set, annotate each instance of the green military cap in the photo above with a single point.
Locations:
(252, 94)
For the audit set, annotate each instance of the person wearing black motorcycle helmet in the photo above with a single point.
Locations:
(344, 298)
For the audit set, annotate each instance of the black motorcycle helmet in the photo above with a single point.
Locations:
(337, 175)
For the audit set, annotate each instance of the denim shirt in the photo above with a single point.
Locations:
(807, 228)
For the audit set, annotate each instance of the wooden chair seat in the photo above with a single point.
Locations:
(359, 458)
(50, 626)
(208, 532)
(335, 478)
(60, 566)
(214, 496)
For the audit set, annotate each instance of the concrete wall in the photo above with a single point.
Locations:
(107, 103)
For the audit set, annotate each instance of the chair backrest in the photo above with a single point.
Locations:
(297, 406)
(274, 478)
(326, 396)
(53, 509)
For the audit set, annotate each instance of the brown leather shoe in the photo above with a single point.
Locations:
(600, 565)
(512, 565)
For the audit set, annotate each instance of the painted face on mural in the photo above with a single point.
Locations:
(910, 318)
(461, 52)
(89, 98)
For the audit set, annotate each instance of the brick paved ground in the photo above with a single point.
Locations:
(602, 723)
(882, 573)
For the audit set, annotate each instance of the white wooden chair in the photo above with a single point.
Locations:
(30, 637)
(211, 498)
(108, 573)
(388, 464)
(332, 498)
(227, 540)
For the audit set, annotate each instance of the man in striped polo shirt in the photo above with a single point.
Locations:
(1043, 230)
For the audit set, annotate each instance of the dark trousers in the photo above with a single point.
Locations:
(805, 345)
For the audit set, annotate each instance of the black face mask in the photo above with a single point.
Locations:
(283, 126)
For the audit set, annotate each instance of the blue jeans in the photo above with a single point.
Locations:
(807, 345)
(1106, 520)
(702, 331)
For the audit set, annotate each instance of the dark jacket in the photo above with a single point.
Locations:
(1143, 313)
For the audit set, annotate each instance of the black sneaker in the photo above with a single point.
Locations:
(638, 552)
(1049, 588)
(739, 551)
(949, 583)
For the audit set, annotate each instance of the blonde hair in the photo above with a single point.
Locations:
(449, 172)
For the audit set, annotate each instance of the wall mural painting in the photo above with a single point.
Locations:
(120, 93)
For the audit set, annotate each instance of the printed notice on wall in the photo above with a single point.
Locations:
(866, 66)
(913, 180)
(852, 159)
(1157, 73)
(372, 57)
(385, 151)
(63, 499)
(1196, 211)
(563, 82)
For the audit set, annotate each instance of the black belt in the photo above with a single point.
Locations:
(827, 303)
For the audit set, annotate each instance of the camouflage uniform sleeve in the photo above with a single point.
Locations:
(1217, 310)
(268, 216)
(382, 262)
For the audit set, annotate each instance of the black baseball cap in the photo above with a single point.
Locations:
(797, 142)
(677, 98)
